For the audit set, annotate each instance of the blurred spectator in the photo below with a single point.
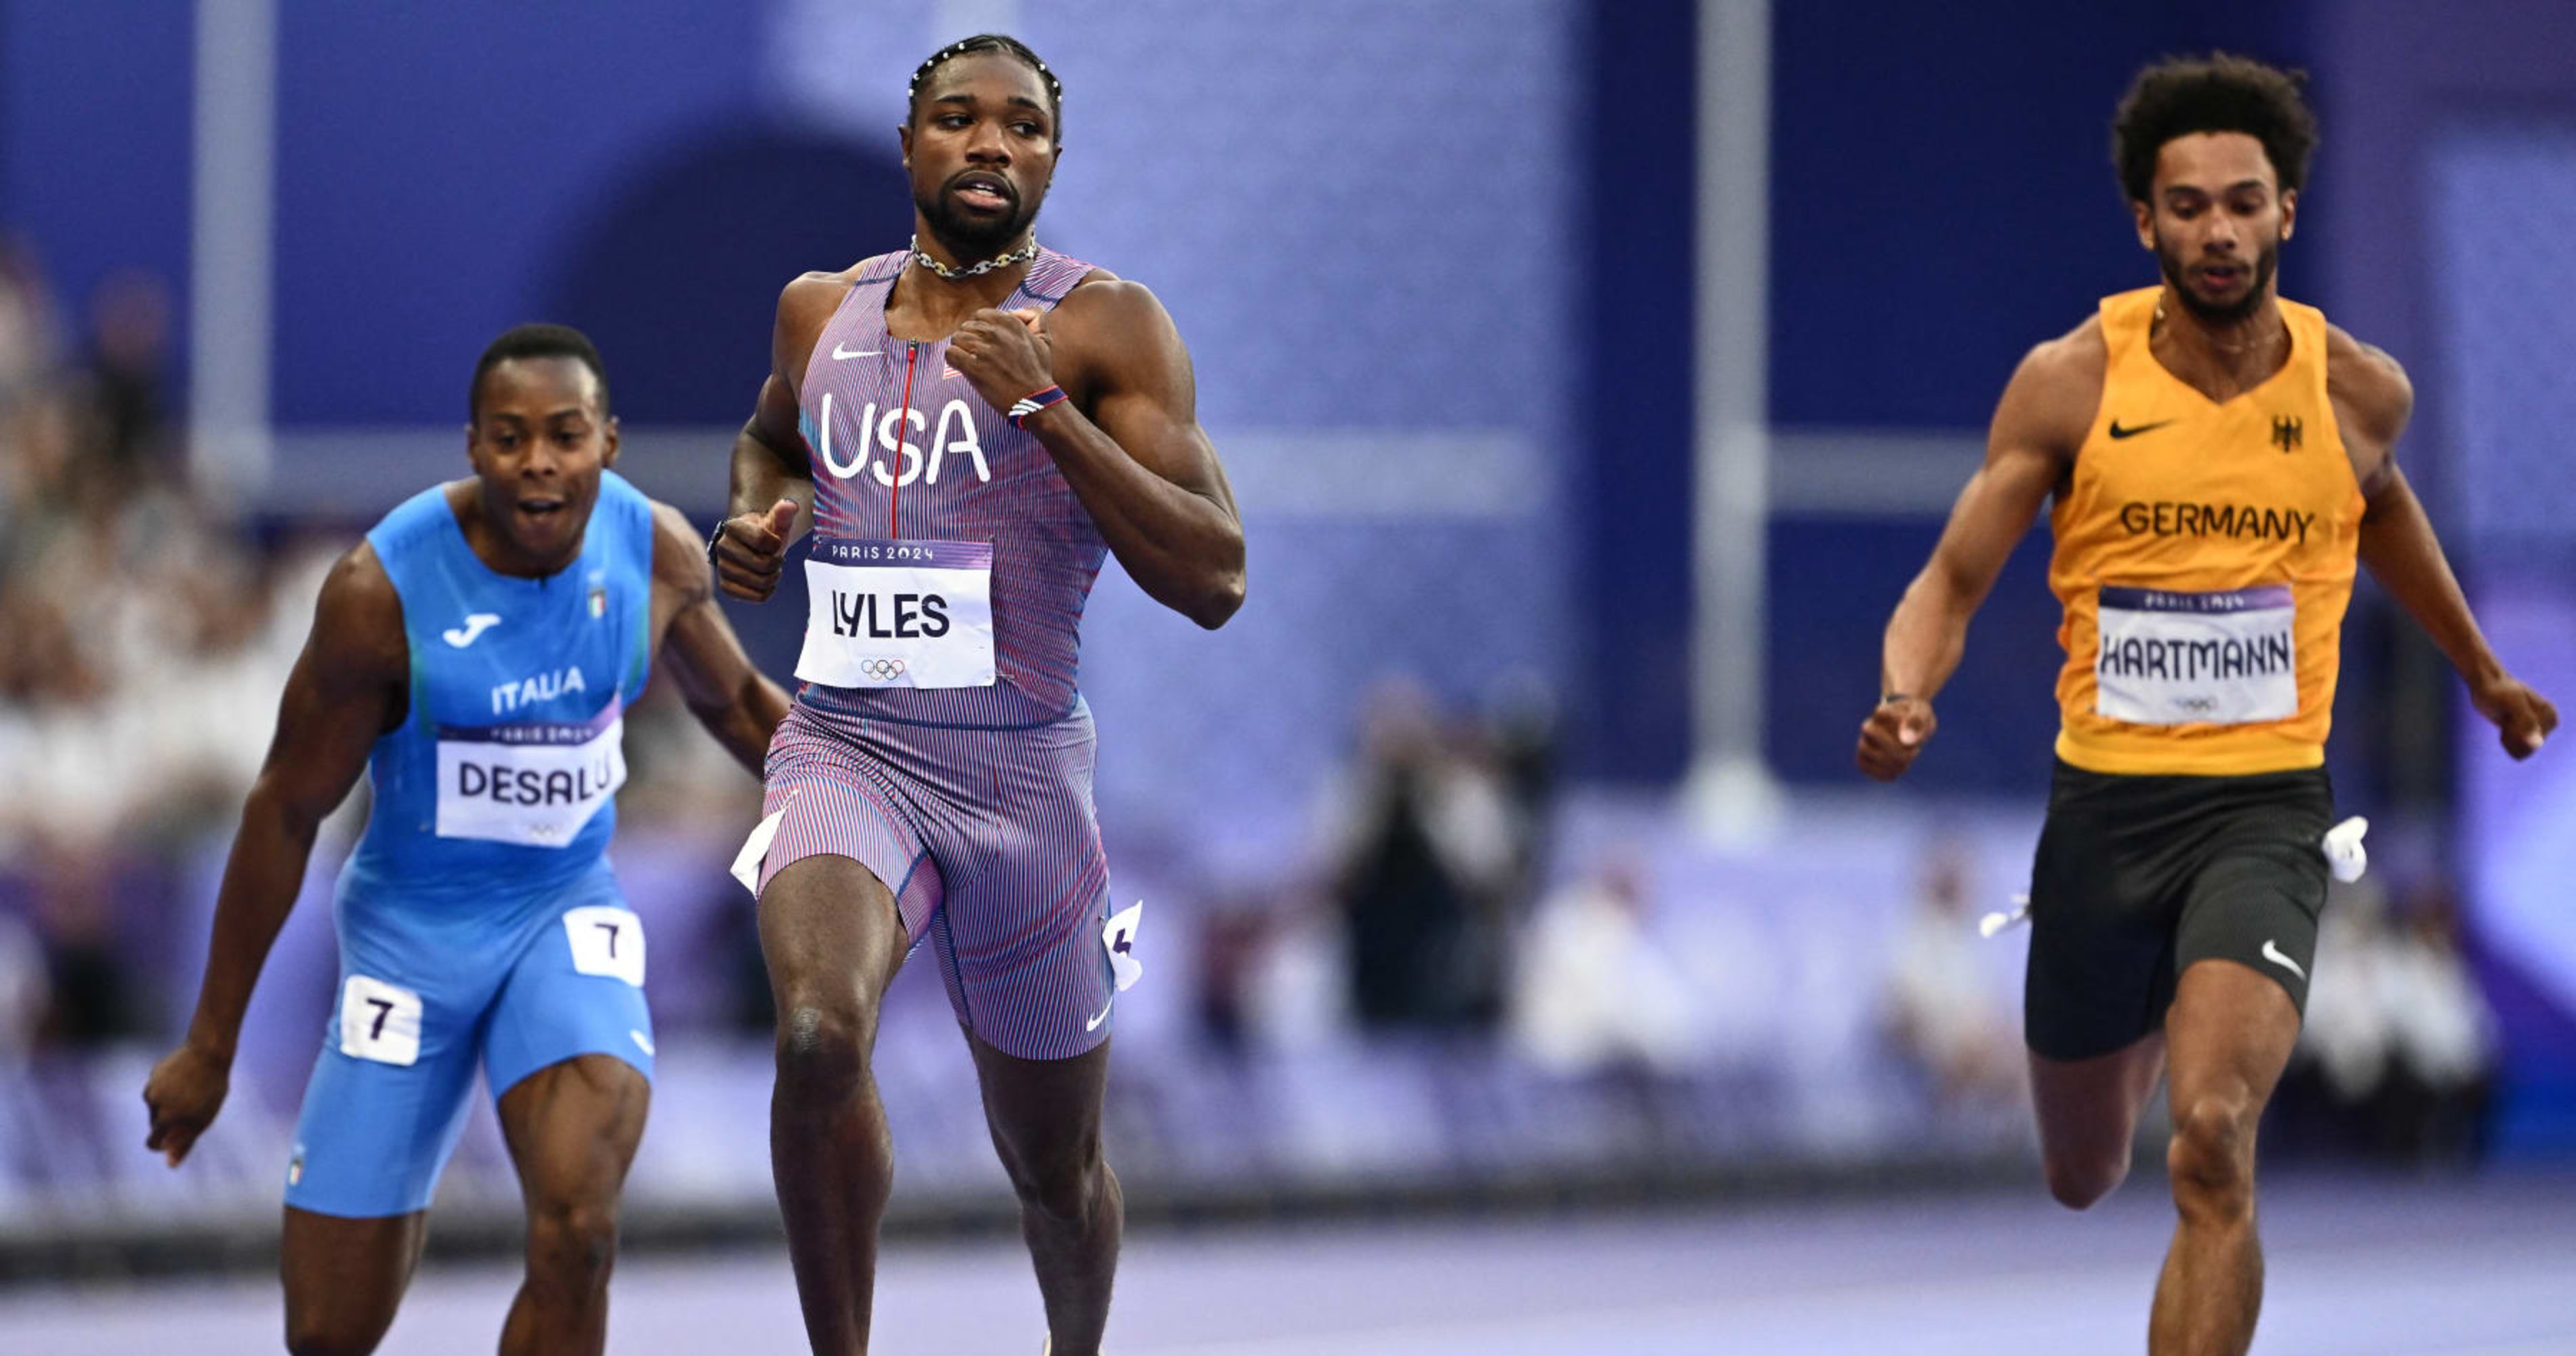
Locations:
(129, 351)
(1427, 857)
(2398, 1054)
(26, 993)
(1594, 992)
(1941, 1011)
(143, 656)
(2445, 1043)
(1231, 940)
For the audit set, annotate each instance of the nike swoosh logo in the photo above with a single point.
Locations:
(475, 625)
(2273, 954)
(1094, 1023)
(2118, 432)
(855, 353)
(641, 1040)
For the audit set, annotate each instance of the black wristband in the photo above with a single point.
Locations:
(1887, 697)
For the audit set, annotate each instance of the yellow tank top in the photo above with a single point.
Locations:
(2205, 555)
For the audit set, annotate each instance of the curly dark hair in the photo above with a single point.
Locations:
(1004, 44)
(2179, 96)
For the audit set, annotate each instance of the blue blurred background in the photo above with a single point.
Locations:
(1591, 386)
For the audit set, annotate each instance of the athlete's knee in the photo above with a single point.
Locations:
(2212, 1154)
(1064, 1185)
(307, 1335)
(573, 1242)
(2078, 1184)
(822, 1047)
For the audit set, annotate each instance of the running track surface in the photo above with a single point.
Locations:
(2358, 1268)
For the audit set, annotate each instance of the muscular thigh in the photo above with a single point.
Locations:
(1042, 1112)
(573, 1127)
(846, 880)
(832, 937)
(2230, 1033)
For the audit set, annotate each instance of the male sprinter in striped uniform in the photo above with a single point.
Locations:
(475, 656)
(970, 423)
(2220, 458)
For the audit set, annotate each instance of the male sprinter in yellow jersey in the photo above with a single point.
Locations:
(2220, 460)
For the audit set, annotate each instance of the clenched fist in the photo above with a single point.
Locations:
(1006, 354)
(1893, 735)
(185, 1091)
(2523, 718)
(750, 550)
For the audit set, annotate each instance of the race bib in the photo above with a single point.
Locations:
(898, 614)
(379, 1021)
(533, 784)
(606, 941)
(2169, 658)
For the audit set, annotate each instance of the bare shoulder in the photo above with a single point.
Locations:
(679, 553)
(2369, 384)
(1116, 334)
(2055, 392)
(2077, 359)
(1104, 300)
(810, 298)
(358, 620)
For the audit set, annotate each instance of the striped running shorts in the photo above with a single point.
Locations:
(990, 844)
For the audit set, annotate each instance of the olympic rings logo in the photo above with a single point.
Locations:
(881, 669)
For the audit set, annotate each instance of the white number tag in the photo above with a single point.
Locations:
(898, 614)
(755, 849)
(1119, 935)
(608, 941)
(379, 1021)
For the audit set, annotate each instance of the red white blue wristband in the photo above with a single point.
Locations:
(1033, 402)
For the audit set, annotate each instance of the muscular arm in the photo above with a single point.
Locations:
(2038, 425)
(1128, 442)
(771, 464)
(2372, 402)
(733, 700)
(347, 687)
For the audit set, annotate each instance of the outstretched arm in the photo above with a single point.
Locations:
(1128, 442)
(346, 689)
(2037, 427)
(2373, 401)
(738, 704)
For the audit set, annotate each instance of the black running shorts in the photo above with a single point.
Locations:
(2139, 878)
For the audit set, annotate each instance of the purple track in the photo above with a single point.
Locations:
(2357, 1269)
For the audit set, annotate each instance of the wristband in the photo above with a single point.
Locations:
(1887, 698)
(1033, 402)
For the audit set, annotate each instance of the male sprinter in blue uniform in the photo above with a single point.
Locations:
(476, 656)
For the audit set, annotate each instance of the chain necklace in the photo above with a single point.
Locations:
(1022, 254)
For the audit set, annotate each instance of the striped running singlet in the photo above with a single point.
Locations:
(904, 449)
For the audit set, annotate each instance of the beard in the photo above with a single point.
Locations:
(2220, 313)
(972, 238)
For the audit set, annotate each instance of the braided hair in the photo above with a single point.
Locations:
(992, 42)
